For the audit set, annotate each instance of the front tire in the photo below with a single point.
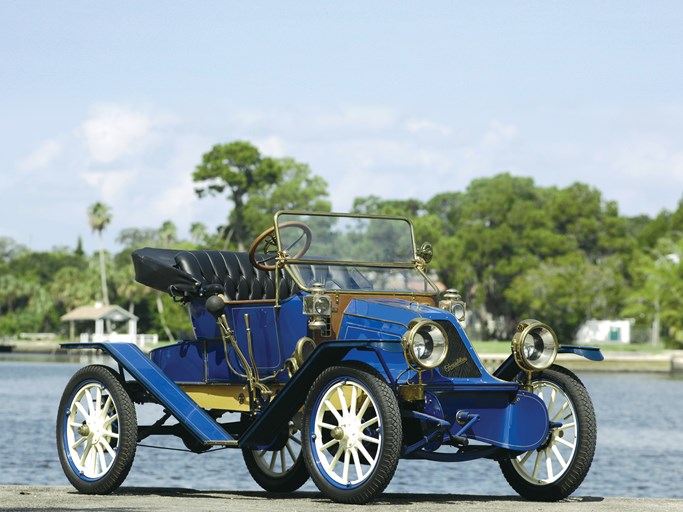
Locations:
(96, 430)
(352, 434)
(556, 469)
(282, 470)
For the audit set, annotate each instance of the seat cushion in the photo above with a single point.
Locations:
(235, 273)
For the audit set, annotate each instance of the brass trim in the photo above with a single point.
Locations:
(384, 293)
(409, 337)
(412, 392)
(525, 328)
(355, 263)
(254, 301)
(413, 263)
(299, 349)
(231, 444)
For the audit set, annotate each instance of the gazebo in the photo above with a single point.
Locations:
(101, 314)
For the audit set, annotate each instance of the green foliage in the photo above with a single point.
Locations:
(566, 291)
(296, 189)
(655, 299)
(513, 249)
(239, 168)
(257, 186)
(99, 216)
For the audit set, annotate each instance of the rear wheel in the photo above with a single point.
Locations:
(557, 468)
(352, 434)
(96, 430)
(282, 470)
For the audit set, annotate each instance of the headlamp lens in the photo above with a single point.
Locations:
(426, 344)
(534, 345)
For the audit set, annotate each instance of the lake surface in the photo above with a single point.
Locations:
(639, 451)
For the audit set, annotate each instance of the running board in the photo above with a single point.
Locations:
(174, 399)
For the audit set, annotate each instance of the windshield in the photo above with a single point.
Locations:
(353, 253)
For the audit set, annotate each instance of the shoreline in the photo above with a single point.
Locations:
(54, 498)
(668, 361)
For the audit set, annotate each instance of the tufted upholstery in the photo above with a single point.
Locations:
(234, 271)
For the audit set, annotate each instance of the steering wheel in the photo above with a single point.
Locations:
(266, 243)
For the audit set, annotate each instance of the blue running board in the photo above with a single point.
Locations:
(174, 399)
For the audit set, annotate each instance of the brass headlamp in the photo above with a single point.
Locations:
(534, 345)
(425, 344)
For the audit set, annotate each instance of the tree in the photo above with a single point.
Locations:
(489, 239)
(296, 189)
(9, 249)
(99, 217)
(240, 168)
(198, 233)
(656, 295)
(568, 290)
(74, 286)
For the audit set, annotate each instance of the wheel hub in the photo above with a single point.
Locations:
(338, 433)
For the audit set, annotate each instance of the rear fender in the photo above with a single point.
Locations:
(509, 368)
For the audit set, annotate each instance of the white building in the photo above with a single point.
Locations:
(605, 331)
(101, 314)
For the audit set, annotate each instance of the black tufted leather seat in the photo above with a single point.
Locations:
(233, 270)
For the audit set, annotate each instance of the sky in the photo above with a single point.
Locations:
(116, 102)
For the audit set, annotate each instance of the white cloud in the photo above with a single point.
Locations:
(375, 150)
(114, 131)
(426, 126)
(499, 134)
(649, 157)
(313, 122)
(111, 185)
(273, 146)
(44, 155)
(362, 118)
(141, 164)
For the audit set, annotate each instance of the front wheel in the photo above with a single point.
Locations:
(96, 430)
(556, 469)
(352, 434)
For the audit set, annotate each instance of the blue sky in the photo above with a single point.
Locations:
(117, 102)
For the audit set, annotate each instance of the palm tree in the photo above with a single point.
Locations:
(168, 234)
(99, 217)
(198, 233)
(167, 237)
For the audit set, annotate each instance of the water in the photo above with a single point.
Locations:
(639, 451)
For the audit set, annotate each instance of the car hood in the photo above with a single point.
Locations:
(385, 318)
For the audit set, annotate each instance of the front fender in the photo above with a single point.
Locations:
(265, 429)
(509, 368)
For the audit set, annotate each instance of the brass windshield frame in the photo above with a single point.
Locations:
(417, 263)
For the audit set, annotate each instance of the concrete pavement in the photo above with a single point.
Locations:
(18, 497)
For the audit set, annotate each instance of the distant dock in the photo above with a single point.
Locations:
(668, 361)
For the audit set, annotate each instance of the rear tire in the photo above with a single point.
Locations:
(556, 469)
(282, 470)
(96, 430)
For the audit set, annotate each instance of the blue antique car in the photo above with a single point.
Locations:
(327, 352)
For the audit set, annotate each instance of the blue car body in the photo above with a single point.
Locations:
(265, 357)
